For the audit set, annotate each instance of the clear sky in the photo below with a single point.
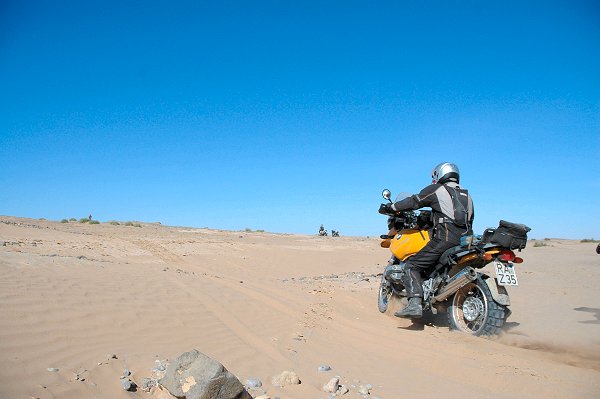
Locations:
(282, 115)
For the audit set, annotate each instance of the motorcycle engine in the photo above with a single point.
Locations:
(395, 272)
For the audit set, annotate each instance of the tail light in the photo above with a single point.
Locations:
(518, 260)
(489, 255)
(508, 256)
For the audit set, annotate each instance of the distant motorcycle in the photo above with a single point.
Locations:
(476, 303)
(335, 233)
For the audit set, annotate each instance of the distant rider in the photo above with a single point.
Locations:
(322, 231)
(453, 214)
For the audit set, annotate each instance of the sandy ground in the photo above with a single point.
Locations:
(73, 294)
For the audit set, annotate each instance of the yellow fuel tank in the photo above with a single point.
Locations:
(408, 242)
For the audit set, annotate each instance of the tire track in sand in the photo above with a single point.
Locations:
(230, 321)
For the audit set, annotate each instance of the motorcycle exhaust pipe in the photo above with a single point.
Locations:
(455, 283)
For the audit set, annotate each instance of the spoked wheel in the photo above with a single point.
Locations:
(472, 310)
(385, 293)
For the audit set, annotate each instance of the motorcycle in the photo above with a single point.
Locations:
(322, 231)
(476, 302)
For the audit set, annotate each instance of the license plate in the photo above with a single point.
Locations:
(505, 273)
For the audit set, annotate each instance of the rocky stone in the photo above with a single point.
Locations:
(148, 384)
(159, 366)
(332, 386)
(126, 373)
(127, 384)
(285, 378)
(193, 375)
(53, 369)
(253, 383)
(342, 390)
(324, 368)
(364, 389)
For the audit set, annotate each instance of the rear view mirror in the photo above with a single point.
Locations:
(387, 194)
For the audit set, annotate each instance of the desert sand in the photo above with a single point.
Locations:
(74, 294)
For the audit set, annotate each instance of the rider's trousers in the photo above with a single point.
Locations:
(426, 258)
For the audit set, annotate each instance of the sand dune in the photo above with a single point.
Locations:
(74, 294)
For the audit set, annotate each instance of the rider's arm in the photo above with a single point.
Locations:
(424, 198)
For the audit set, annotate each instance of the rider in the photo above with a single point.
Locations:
(453, 214)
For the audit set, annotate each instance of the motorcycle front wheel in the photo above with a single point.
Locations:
(385, 294)
(473, 310)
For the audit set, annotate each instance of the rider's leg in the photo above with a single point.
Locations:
(417, 264)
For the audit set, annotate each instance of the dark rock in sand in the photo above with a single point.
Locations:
(253, 383)
(148, 384)
(193, 375)
(127, 384)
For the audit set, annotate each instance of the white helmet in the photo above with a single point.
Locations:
(444, 173)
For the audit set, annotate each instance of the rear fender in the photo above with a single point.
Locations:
(499, 293)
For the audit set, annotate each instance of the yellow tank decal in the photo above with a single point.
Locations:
(408, 242)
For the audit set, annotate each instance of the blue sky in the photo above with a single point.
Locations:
(281, 116)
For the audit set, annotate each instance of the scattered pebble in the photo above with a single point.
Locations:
(126, 373)
(111, 356)
(127, 384)
(53, 369)
(365, 389)
(253, 383)
(159, 366)
(332, 386)
(148, 384)
(285, 378)
(78, 377)
(324, 368)
(342, 390)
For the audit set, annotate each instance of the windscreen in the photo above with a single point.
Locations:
(402, 195)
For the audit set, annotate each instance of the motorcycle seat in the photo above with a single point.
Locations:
(449, 256)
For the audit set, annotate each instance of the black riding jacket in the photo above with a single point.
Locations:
(452, 208)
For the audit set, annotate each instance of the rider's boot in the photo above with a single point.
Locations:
(414, 309)
(414, 291)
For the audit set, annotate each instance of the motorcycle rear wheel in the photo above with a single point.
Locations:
(473, 310)
(385, 294)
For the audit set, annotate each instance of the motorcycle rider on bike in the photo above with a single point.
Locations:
(453, 214)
